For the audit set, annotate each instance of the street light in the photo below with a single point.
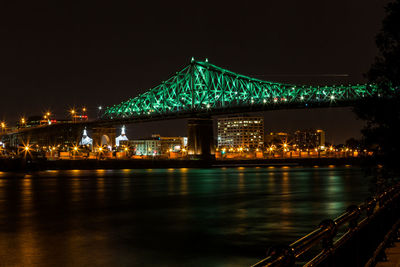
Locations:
(99, 110)
(72, 111)
(23, 121)
(3, 126)
(99, 152)
(75, 149)
(25, 149)
(46, 116)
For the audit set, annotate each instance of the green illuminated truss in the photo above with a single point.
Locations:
(202, 87)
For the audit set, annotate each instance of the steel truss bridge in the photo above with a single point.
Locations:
(202, 88)
(199, 91)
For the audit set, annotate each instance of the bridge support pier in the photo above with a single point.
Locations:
(201, 138)
(103, 136)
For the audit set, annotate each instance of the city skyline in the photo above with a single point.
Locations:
(60, 66)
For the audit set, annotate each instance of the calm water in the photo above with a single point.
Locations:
(167, 217)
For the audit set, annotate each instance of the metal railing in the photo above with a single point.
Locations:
(370, 227)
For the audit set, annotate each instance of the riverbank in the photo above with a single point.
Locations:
(42, 164)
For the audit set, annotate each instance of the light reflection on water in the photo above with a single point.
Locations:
(195, 217)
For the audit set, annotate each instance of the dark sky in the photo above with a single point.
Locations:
(56, 56)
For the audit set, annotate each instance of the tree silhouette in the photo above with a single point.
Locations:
(382, 114)
(386, 69)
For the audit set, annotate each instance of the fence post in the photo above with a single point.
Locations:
(327, 241)
(286, 251)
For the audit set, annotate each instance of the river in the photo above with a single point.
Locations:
(166, 217)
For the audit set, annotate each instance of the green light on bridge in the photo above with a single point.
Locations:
(202, 85)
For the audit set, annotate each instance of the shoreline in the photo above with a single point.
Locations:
(21, 165)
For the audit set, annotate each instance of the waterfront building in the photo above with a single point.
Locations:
(144, 147)
(171, 144)
(122, 137)
(309, 139)
(156, 145)
(276, 138)
(241, 132)
(86, 140)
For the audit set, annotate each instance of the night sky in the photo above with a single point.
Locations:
(55, 56)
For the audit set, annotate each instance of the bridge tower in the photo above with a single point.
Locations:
(201, 138)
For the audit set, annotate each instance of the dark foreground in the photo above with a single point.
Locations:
(167, 217)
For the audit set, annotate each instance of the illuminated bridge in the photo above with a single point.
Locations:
(199, 91)
(203, 88)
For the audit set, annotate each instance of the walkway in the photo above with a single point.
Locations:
(393, 256)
